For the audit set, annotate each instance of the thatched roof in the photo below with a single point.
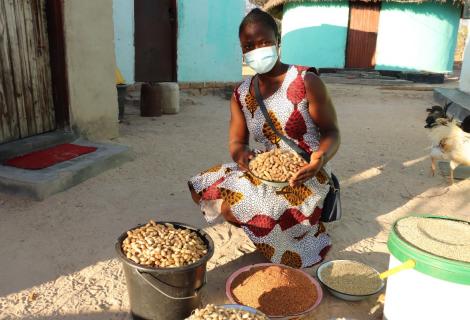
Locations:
(275, 7)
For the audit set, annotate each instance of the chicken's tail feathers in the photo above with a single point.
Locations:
(446, 107)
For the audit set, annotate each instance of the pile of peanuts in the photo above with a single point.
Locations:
(277, 165)
(163, 246)
(211, 312)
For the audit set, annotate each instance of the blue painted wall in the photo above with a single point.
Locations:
(314, 34)
(208, 45)
(123, 15)
(418, 37)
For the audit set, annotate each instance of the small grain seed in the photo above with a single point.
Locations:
(351, 277)
(441, 237)
(290, 292)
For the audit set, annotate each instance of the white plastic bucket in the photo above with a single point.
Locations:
(413, 295)
(436, 289)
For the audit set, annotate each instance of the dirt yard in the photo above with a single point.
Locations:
(57, 256)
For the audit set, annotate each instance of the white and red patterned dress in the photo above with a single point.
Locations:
(285, 226)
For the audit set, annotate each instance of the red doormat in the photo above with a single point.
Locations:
(48, 157)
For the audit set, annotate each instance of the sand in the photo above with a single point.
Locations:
(57, 256)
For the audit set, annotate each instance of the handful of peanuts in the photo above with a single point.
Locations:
(211, 312)
(163, 246)
(277, 165)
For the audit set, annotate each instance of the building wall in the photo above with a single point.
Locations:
(123, 16)
(89, 40)
(462, 38)
(464, 83)
(208, 45)
(314, 34)
(423, 40)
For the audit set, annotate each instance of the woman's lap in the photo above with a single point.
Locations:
(272, 221)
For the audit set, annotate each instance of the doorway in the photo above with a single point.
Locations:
(362, 34)
(155, 40)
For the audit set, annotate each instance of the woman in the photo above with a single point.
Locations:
(285, 226)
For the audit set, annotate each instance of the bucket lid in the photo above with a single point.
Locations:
(439, 245)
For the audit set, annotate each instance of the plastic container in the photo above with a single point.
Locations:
(165, 293)
(228, 289)
(437, 288)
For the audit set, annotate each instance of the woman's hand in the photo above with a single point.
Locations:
(243, 158)
(307, 172)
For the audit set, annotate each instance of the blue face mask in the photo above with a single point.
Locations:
(262, 60)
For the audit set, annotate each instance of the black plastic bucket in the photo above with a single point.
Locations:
(165, 293)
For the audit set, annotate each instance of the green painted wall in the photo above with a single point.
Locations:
(314, 34)
(208, 45)
(417, 37)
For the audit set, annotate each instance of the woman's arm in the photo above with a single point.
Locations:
(239, 135)
(323, 113)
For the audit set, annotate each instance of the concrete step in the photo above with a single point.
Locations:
(459, 108)
(358, 72)
(329, 78)
(460, 173)
(39, 184)
(363, 75)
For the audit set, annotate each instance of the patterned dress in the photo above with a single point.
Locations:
(284, 226)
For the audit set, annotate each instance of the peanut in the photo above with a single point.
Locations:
(163, 246)
(276, 165)
(211, 312)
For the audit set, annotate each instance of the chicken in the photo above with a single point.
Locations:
(436, 112)
(449, 142)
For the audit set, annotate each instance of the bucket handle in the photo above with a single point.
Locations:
(145, 276)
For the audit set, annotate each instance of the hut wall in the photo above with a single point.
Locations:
(123, 16)
(417, 37)
(208, 45)
(314, 34)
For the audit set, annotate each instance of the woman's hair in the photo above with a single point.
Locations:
(259, 16)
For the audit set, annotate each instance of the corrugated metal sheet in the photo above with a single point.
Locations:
(26, 101)
(362, 34)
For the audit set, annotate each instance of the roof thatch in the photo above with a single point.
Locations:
(274, 7)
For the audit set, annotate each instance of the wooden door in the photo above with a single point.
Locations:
(26, 100)
(362, 34)
(155, 40)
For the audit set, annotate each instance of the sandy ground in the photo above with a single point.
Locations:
(57, 256)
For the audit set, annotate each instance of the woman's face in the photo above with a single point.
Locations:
(255, 36)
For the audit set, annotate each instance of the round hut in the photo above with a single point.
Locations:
(393, 35)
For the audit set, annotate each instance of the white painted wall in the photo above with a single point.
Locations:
(464, 84)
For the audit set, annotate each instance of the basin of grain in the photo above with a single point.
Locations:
(276, 290)
(350, 278)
